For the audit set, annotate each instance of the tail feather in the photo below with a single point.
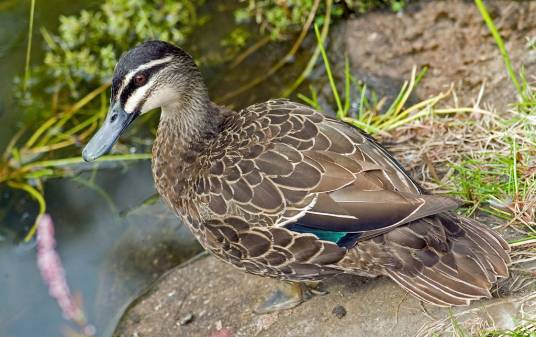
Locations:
(492, 245)
(422, 290)
(463, 259)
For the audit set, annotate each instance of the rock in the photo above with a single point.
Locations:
(339, 311)
(186, 319)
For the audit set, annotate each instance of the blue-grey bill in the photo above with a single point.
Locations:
(114, 125)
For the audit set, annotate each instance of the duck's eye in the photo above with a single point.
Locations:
(140, 80)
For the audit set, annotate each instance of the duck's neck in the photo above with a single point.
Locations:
(188, 116)
(184, 133)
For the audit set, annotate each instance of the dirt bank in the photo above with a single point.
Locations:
(451, 39)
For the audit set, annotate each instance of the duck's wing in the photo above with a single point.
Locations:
(294, 165)
(304, 186)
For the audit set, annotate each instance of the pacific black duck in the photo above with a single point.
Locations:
(278, 189)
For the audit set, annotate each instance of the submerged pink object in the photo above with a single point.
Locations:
(52, 272)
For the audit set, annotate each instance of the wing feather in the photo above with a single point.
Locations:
(294, 154)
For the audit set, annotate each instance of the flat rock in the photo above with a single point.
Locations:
(220, 301)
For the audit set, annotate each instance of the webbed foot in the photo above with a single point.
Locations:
(289, 295)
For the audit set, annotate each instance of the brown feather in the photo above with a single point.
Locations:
(442, 267)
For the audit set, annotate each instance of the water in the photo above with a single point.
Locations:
(108, 258)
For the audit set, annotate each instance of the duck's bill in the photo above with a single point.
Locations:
(115, 124)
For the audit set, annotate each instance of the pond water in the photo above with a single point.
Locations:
(109, 257)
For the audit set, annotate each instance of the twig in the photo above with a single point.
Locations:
(281, 62)
(256, 46)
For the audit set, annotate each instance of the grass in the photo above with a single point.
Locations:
(31, 158)
(368, 116)
(478, 322)
(482, 157)
(524, 330)
(500, 44)
(488, 160)
(479, 156)
(29, 47)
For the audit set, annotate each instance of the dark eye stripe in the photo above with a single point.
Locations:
(131, 86)
(116, 84)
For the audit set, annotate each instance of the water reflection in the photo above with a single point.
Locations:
(108, 259)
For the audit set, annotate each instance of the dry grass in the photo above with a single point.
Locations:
(482, 321)
(485, 158)
(488, 160)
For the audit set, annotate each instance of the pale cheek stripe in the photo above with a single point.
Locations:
(147, 65)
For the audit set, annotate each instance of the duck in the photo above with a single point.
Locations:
(280, 190)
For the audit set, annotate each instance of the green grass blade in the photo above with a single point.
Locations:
(329, 73)
(347, 86)
(38, 196)
(29, 46)
(500, 43)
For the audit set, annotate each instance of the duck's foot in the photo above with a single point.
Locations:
(290, 295)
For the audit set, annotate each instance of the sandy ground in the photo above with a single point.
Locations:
(209, 298)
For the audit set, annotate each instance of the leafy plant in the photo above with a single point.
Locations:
(282, 19)
(87, 46)
(363, 6)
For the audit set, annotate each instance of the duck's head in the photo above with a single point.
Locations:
(153, 74)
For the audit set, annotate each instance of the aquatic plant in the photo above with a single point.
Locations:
(31, 158)
(53, 274)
